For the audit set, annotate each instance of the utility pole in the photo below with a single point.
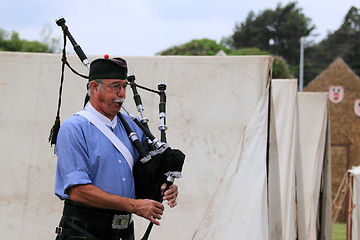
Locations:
(301, 75)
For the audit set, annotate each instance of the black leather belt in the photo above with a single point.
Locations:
(96, 216)
(95, 223)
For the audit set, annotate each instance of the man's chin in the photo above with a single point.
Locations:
(117, 107)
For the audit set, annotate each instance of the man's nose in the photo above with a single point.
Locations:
(122, 92)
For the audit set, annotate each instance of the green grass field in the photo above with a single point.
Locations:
(339, 231)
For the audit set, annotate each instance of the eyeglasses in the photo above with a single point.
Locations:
(115, 87)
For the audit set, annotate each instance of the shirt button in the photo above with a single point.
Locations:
(124, 179)
(119, 161)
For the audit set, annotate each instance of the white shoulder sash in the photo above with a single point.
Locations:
(110, 135)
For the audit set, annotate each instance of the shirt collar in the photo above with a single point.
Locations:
(104, 119)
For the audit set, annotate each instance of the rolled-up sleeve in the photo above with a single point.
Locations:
(73, 161)
(75, 178)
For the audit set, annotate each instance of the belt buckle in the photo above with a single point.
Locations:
(121, 221)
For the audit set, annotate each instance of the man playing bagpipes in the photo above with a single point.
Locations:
(94, 173)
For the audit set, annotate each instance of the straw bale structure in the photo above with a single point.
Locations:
(345, 124)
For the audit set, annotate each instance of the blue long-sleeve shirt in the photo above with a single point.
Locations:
(87, 156)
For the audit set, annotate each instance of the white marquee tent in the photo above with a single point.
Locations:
(285, 105)
(302, 140)
(353, 202)
(217, 114)
(314, 170)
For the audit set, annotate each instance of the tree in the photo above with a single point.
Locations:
(200, 47)
(280, 67)
(281, 70)
(46, 37)
(12, 42)
(206, 47)
(278, 31)
(344, 43)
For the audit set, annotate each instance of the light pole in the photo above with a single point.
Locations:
(301, 75)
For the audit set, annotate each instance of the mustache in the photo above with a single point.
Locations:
(119, 100)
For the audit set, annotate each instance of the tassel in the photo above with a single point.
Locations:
(54, 131)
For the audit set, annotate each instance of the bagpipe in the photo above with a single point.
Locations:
(156, 165)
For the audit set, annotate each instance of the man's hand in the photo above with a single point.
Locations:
(170, 195)
(93, 196)
(149, 209)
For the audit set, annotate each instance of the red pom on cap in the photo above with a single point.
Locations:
(106, 56)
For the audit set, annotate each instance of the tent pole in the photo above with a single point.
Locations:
(301, 74)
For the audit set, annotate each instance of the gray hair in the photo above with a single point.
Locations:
(101, 87)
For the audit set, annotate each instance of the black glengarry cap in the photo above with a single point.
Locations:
(108, 68)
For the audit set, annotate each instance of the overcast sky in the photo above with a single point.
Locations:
(145, 27)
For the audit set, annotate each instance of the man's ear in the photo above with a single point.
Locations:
(93, 86)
